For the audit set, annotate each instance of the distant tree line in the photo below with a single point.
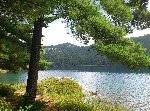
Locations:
(145, 40)
(69, 55)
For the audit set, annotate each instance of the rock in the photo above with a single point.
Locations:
(93, 93)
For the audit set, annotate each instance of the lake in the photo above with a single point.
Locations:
(127, 87)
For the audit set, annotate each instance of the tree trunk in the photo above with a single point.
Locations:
(31, 87)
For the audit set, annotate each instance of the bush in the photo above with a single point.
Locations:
(60, 87)
(34, 106)
(37, 106)
(104, 105)
(72, 105)
(6, 90)
(19, 87)
(4, 106)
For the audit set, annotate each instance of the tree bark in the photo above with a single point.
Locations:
(31, 87)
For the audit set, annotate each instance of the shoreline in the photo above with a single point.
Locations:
(89, 95)
(76, 90)
(3, 71)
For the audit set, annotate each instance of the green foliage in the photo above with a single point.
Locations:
(126, 52)
(44, 64)
(4, 106)
(19, 87)
(37, 106)
(84, 20)
(14, 48)
(60, 87)
(141, 14)
(118, 11)
(16, 33)
(6, 90)
(112, 42)
(15, 39)
(27, 108)
(68, 55)
(66, 92)
(144, 40)
(99, 104)
(72, 105)
(32, 106)
(130, 14)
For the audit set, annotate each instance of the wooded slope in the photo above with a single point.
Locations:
(68, 55)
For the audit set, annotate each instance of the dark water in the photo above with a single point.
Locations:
(127, 87)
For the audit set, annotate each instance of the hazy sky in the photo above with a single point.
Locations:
(57, 34)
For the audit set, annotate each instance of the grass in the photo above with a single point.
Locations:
(53, 94)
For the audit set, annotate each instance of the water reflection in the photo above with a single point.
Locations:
(133, 89)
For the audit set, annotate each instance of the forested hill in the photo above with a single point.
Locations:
(145, 40)
(68, 55)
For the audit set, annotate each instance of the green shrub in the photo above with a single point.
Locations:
(60, 87)
(35, 105)
(4, 105)
(72, 105)
(6, 90)
(104, 105)
(19, 87)
(70, 87)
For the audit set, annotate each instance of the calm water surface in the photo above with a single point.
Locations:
(127, 87)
